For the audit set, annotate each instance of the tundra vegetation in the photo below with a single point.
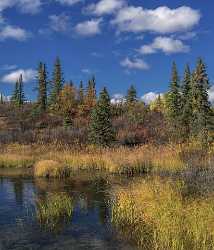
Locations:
(70, 128)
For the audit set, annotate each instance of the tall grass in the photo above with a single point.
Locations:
(54, 210)
(154, 215)
(61, 161)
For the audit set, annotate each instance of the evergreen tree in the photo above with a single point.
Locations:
(131, 97)
(81, 94)
(21, 96)
(174, 100)
(90, 98)
(201, 107)
(186, 101)
(42, 88)
(57, 82)
(18, 97)
(1, 98)
(14, 97)
(101, 130)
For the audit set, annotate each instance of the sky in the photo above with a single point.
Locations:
(121, 42)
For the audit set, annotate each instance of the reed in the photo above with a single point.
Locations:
(154, 215)
(55, 209)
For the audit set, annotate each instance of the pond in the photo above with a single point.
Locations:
(83, 224)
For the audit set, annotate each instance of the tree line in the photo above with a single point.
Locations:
(185, 109)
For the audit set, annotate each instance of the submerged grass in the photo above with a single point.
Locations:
(54, 210)
(154, 215)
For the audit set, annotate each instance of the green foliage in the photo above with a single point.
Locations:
(42, 88)
(131, 97)
(201, 108)
(18, 97)
(57, 82)
(101, 130)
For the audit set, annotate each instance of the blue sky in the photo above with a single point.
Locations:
(122, 42)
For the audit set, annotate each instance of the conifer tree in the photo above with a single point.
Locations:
(200, 102)
(186, 101)
(42, 88)
(131, 97)
(21, 96)
(174, 99)
(18, 97)
(81, 94)
(14, 97)
(101, 130)
(57, 82)
(90, 98)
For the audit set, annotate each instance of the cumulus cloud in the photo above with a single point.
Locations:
(150, 97)
(59, 23)
(89, 28)
(68, 2)
(160, 20)
(211, 95)
(27, 74)
(13, 32)
(105, 7)
(26, 6)
(167, 45)
(135, 63)
(117, 99)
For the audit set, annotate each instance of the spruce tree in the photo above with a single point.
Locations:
(14, 97)
(174, 98)
(101, 130)
(90, 98)
(131, 97)
(81, 94)
(21, 96)
(201, 107)
(57, 82)
(18, 97)
(186, 101)
(42, 88)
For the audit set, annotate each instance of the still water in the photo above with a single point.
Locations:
(89, 226)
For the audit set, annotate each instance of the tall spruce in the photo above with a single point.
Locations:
(186, 101)
(131, 97)
(42, 88)
(101, 130)
(57, 82)
(18, 96)
(90, 98)
(174, 99)
(81, 93)
(200, 102)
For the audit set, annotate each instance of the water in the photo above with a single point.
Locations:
(89, 226)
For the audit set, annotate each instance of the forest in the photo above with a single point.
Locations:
(76, 115)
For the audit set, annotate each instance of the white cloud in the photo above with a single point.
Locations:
(166, 44)
(26, 6)
(160, 20)
(135, 63)
(89, 28)
(86, 71)
(117, 99)
(211, 94)
(13, 32)
(27, 74)
(105, 7)
(150, 97)
(68, 2)
(7, 67)
(59, 23)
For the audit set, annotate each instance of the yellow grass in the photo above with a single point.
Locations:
(51, 160)
(154, 215)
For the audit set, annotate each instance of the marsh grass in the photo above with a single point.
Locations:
(61, 161)
(154, 215)
(55, 209)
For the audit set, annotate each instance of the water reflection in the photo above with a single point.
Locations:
(85, 225)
